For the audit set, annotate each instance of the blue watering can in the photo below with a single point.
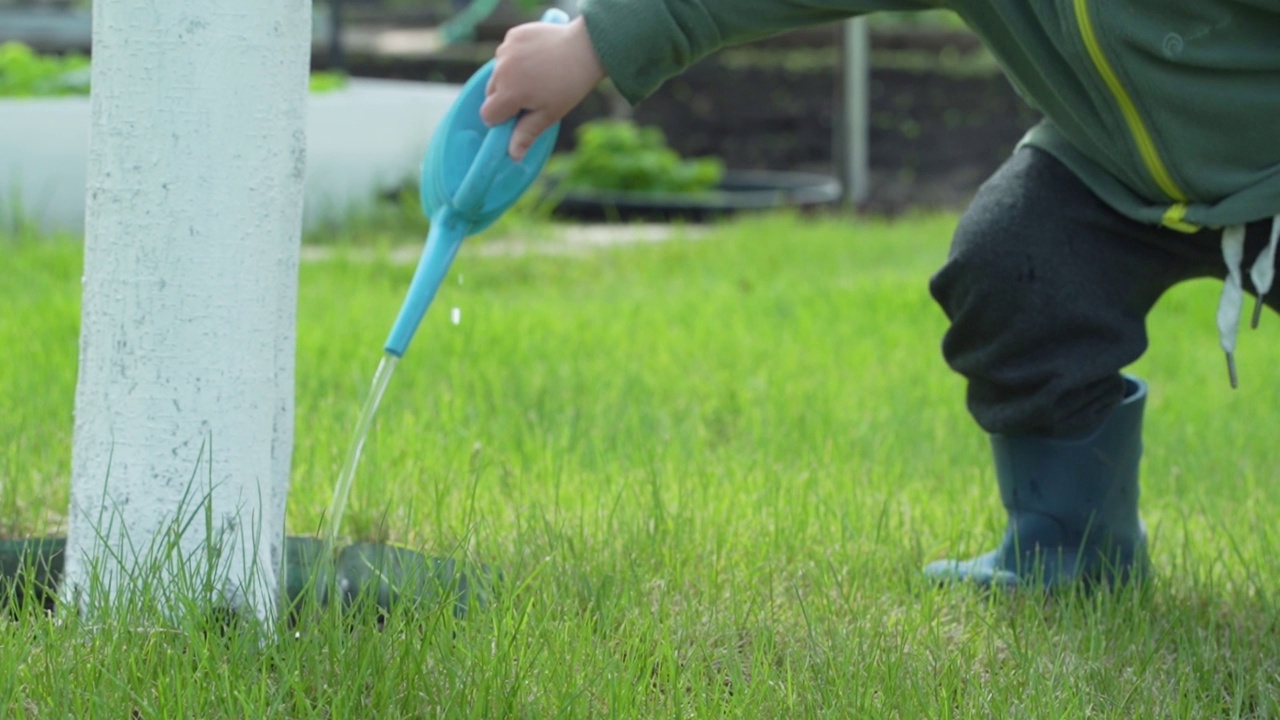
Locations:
(468, 182)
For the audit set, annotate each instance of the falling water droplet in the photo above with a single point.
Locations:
(456, 315)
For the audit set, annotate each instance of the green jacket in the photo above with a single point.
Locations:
(1168, 109)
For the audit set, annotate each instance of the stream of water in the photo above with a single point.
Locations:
(342, 491)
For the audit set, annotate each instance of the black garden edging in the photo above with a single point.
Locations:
(739, 191)
(388, 575)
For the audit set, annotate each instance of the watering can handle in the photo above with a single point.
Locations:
(484, 169)
(493, 150)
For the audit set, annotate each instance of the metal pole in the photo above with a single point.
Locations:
(853, 126)
(337, 58)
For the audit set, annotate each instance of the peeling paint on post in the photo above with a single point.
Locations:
(184, 403)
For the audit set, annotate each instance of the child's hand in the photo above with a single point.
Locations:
(545, 70)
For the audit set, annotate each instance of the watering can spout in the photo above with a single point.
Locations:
(443, 241)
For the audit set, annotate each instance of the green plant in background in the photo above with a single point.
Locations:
(622, 156)
(327, 81)
(916, 20)
(25, 73)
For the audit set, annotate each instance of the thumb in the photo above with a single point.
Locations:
(530, 125)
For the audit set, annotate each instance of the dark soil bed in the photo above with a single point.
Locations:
(942, 116)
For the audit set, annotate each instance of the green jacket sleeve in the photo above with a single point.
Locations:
(642, 43)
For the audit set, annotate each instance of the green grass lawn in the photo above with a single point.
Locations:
(710, 471)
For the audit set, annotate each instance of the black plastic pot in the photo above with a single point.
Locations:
(388, 575)
(30, 571)
(739, 191)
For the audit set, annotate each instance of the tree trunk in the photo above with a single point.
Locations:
(184, 403)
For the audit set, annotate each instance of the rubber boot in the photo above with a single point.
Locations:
(1072, 505)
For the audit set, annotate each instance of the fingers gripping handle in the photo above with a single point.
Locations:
(492, 155)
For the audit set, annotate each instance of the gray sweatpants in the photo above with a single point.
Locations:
(1048, 289)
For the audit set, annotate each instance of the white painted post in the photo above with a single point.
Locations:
(184, 403)
(853, 127)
